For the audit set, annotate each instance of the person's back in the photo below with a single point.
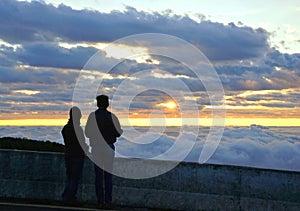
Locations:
(102, 123)
(108, 125)
(72, 135)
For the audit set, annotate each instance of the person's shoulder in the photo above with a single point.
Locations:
(92, 114)
(112, 114)
(102, 112)
(63, 129)
(65, 126)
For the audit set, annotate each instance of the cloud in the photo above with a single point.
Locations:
(44, 103)
(159, 146)
(255, 146)
(52, 55)
(33, 59)
(36, 133)
(259, 147)
(53, 87)
(40, 22)
(286, 61)
(37, 75)
(258, 78)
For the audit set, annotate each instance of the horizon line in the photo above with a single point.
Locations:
(229, 121)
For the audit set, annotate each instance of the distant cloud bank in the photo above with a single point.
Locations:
(254, 146)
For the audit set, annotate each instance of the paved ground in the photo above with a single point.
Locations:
(39, 207)
(12, 206)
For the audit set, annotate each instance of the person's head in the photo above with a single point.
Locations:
(102, 101)
(75, 114)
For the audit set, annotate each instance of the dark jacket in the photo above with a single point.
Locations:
(71, 140)
(107, 123)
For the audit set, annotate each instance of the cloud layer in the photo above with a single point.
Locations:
(255, 146)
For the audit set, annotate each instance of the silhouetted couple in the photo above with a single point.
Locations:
(102, 129)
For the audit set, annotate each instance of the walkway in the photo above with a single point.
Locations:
(13, 206)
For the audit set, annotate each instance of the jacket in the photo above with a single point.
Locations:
(106, 123)
(72, 139)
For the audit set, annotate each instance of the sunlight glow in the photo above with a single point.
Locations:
(265, 92)
(137, 53)
(27, 92)
(169, 105)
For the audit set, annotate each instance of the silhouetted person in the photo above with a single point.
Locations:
(74, 154)
(102, 129)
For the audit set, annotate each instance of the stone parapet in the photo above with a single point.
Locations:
(189, 186)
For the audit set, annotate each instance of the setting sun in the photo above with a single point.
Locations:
(169, 105)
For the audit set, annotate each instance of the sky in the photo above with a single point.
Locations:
(253, 46)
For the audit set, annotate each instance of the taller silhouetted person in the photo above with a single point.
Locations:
(103, 128)
(74, 154)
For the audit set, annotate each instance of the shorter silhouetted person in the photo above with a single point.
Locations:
(102, 129)
(74, 154)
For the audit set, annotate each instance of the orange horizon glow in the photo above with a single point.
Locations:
(288, 122)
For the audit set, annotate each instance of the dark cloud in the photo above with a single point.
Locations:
(284, 60)
(258, 78)
(51, 97)
(45, 54)
(35, 21)
(4, 90)
(240, 69)
(37, 76)
(279, 105)
(273, 98)
(52, 55)
(5, 60)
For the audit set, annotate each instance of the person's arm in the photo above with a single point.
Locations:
(118, 129)
(65, 136)
(90, 124)
(81, 139)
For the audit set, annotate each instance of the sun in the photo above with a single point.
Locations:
(171, 105)
(168, 104)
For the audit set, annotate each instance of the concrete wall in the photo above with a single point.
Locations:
(190, 186)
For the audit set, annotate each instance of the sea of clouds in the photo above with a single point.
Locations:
(254, 146)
